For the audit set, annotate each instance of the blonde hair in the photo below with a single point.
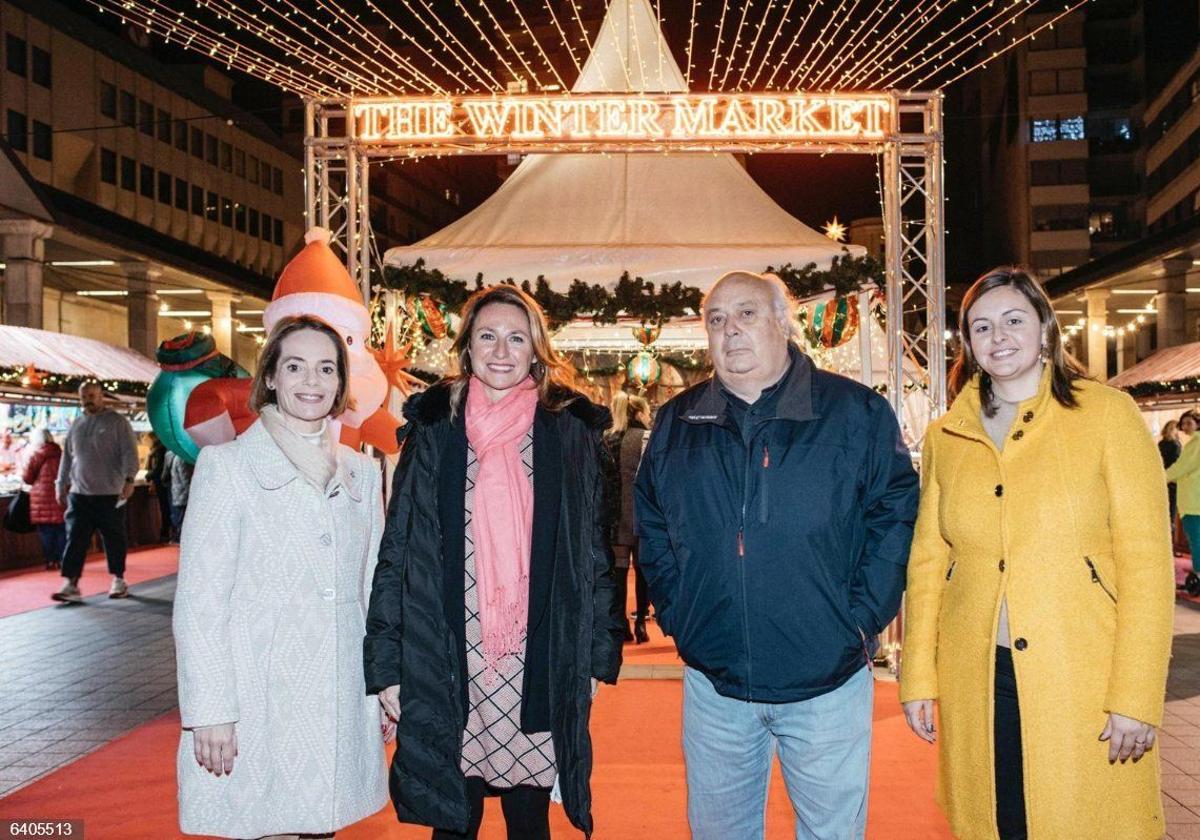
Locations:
(549, 370)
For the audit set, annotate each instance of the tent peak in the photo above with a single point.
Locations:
(630, 54)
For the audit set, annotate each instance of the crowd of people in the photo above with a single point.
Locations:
(773, 518)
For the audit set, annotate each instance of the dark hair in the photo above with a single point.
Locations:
(1064, 367)
(261, 395)
(553, 374)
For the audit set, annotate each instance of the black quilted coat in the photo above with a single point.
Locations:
(415, 624)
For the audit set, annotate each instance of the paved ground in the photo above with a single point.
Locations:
(73, 678)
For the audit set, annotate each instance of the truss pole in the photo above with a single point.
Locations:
(310, 165)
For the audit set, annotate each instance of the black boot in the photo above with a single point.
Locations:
(626, 634)
(1192, 584)
(639, 631)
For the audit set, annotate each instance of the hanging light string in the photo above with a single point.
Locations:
(853, 41)
(563, 37)
(202, 39)
(662, 45)
(492, 48)
(691, 40)
(782, 62)
(458, 50)
(533, 76)
(881, 49)
(538, 45)
(631, 34)
(737, 41)
(612, 32)
(973, 38)
(716, 53)
(583, 33)
(829, 40)
(816, 42)
(1016, 41)
(771, 43)
(463, 85)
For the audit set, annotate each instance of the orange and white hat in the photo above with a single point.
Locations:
(316, 283)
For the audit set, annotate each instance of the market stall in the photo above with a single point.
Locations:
(40, 374)
(1164, 384)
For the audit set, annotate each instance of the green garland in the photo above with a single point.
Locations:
(632, 297)
(55, 384)
(1190, 385)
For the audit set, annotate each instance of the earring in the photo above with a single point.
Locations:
(1044, 354)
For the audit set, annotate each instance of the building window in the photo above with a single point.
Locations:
(40, 67)
(43, 141)
(18, 131)
(181, 139)
(266, 227)
(1071, 128)
(1060, 217)
(128, 109)
(128, 174)
(164, 187)
(253, 229)
(197, 201)
(226, 212)
(15, 54)
(265, 175)
(145, 117)
(226, 157)
(1044, 130)
(181, 194)
(276, 180)
(212, 207)
(278, 232)
(252, 169)
(147, 180)
(108, 100)
(108, 166)
(164, 126)
(1049, 173)
(239, 218)
(239, 163)
(1043, 82)
(210, 149)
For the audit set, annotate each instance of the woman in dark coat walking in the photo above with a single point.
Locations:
(45, 512)
(626, 439)
(493, 615)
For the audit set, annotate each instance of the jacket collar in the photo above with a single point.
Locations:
(272, 470)
(795, 396)
(965, 414)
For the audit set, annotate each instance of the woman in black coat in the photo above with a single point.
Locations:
(471, 723)
(626, 440)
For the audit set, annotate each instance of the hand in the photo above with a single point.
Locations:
(1127, 738)
(216, 747)
(387, 726)
(919, 714)
(127, 491)
(595, 687)
(61, 495)
(389, 699)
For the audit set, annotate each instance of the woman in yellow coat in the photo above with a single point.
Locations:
(1040, 588)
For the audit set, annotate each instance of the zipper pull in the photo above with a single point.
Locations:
(741, 544)
(766, 457)
(1090, 565)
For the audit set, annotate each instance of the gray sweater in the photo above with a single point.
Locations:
(99, 456)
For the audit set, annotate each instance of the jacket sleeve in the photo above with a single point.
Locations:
(606, 611)
(656, 557)
(375, 497)
(889, 502)
(1186, 464)
(385, 611)
(129, 456)
(1144, 566)
(33, 466)
(208, 554)
(926, 577)
(64, 465)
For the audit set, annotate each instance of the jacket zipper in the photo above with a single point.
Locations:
(950, 571)
(1096, 579)
(741, 547)
(763, 506)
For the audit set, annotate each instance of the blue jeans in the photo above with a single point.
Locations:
(824, 747)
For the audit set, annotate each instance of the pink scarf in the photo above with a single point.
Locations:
(503, 518)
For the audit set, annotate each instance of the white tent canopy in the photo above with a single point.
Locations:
(666, 218)
(72, 355)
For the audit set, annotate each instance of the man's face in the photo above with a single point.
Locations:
(91, 398)
(745, 339)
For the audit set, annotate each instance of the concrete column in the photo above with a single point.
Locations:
(1143, 343)
(52, 302)
(143, 307)
(1126, 350)
(1171, 303)
(24, 249)
(1097, 341)
(222, 320)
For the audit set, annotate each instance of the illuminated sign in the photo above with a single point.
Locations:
(591, 119)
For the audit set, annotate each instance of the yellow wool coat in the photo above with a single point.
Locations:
(1068, 523)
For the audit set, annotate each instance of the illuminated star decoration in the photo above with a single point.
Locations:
(393, 360)
(835, 230)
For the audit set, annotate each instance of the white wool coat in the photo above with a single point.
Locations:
(274, 578)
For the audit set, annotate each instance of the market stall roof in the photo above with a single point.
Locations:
(666, 218)
(72, 355)
(1170, 364)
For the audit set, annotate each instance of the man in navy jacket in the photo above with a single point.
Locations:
(775, 507)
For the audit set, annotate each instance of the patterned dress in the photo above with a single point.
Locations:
(494, 747)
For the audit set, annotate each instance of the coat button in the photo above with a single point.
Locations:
(1002, 564)
(1028, 416)
(327, 594)
(999, 489)
(326, 539)
(1020, 644)
(1018, 434)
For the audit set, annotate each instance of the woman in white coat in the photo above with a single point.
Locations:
(277, 558)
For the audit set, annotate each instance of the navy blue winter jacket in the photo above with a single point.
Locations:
(775, 554)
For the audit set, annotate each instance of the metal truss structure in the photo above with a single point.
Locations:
(336, 169)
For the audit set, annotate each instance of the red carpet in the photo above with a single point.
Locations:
(126, 790)
(29, 589)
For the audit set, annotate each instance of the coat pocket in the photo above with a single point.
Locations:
(1098, 580)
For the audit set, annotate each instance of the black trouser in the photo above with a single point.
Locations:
(526, 811)
(54, 540)
(163, 494)
(1010, 776)
(641, 592)
(86, 515)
